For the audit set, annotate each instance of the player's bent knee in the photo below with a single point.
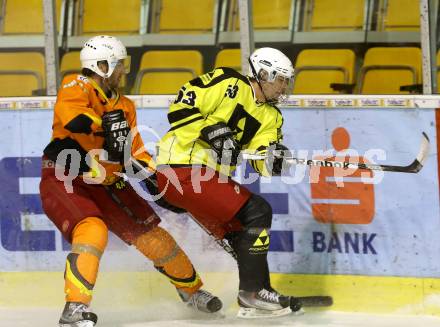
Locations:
(91, 231)
(257, 212)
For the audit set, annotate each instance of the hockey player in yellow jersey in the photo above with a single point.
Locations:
(213, 118)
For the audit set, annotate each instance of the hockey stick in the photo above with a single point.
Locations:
(306, 301)
(414, 167)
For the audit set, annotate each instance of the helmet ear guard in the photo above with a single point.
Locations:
(104, 64)
(263, 75)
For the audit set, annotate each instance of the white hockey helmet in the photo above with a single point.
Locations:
(270, 65)
(104, 48)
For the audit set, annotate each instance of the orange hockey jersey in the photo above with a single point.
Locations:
(77, 125)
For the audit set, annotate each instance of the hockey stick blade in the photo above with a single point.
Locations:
(414, 167)
(315, 301)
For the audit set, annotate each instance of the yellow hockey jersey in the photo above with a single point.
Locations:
(222, 95)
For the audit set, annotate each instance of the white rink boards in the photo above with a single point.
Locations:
(308, 260)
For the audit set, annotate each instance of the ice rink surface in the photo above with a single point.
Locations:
(168, 314)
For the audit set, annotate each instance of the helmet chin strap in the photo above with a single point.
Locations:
(257, 79)
(259, 84)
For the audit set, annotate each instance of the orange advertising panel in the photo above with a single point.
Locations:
(341, 196)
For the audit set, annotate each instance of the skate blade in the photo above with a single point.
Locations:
(83, 323)
(300, 312)
(205, 314)
(252, 313)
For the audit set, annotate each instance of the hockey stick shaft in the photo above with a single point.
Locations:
(414, 167)
(222, 243)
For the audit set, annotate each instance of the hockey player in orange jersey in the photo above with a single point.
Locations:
(92, 116)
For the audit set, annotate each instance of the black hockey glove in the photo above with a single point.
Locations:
(275, 160)
(151, 184)
(221, 139)
(116, 130)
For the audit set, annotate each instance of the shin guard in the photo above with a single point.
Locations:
(89, 239)
(169, 259)
(252, 244)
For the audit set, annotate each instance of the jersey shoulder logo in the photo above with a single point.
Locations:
(83, 78)
(231, 91)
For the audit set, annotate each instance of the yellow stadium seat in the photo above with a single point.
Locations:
(22, 73)
(402, 15)
(70, 64)
(267, 15)
(25, 16)
(317, 69)
(229, 58)
(186, 16)
(164, 72)
(335, 15)
(385, 70)
(113, 17)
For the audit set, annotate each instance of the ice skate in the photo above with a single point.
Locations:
(266, 304)
(202, 301)
(77, 314)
